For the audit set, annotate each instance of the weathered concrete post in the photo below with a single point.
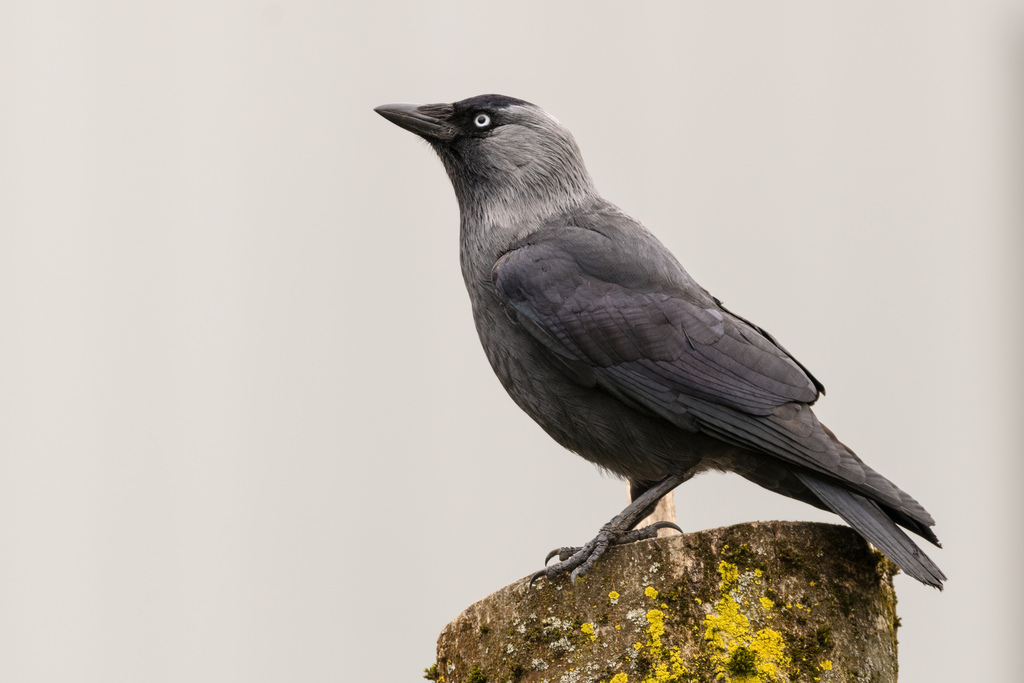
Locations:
(768, 601)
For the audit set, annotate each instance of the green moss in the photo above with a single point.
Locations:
(742, 662)
(535, 634)
(430, 673)
(743, 556)
(884, 567)
(824, 637)
(476, 675)
(516, 671)
(844, 599)
(808, 652)
(790, 558)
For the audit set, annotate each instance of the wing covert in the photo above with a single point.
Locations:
(652, 336)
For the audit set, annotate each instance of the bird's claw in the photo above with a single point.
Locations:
(580, 560)
(576, 562)
(649, 531)
(563, 553)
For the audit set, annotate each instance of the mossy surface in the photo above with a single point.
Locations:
(748, 604)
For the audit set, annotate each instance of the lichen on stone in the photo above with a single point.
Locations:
(662, 664)
(738, 651)
(720, 609)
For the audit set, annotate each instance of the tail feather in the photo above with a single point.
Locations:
(871, 521)
(911, 524)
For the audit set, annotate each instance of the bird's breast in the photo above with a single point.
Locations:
(581, 417)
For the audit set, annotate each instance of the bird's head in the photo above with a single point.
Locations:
(509, 161)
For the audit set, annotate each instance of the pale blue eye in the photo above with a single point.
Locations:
(482, 121)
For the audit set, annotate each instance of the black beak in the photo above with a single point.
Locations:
(412, 118)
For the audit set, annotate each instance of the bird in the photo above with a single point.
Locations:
(599, 334)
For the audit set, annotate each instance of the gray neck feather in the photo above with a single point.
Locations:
(510, 184)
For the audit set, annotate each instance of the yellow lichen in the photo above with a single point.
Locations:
(827, 665)
(736, 649)
(739, 653)
(769, 652)
(656, 619)
(725, 622)
(730, 574)
(666, 663)
(614, 596)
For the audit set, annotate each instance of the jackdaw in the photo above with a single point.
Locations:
(600, 335)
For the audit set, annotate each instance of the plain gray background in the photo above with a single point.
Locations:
(246, 431)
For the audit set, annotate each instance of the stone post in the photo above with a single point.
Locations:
(767, 601)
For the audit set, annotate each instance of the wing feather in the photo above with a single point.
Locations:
(659, 340)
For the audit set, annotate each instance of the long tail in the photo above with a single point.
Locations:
(872, 522)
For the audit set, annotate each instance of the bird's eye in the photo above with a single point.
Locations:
(482, 120)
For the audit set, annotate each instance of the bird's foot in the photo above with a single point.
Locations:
(579, 560)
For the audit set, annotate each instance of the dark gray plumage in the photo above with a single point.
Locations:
(600, 335)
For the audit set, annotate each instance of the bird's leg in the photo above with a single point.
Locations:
(620, 529)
